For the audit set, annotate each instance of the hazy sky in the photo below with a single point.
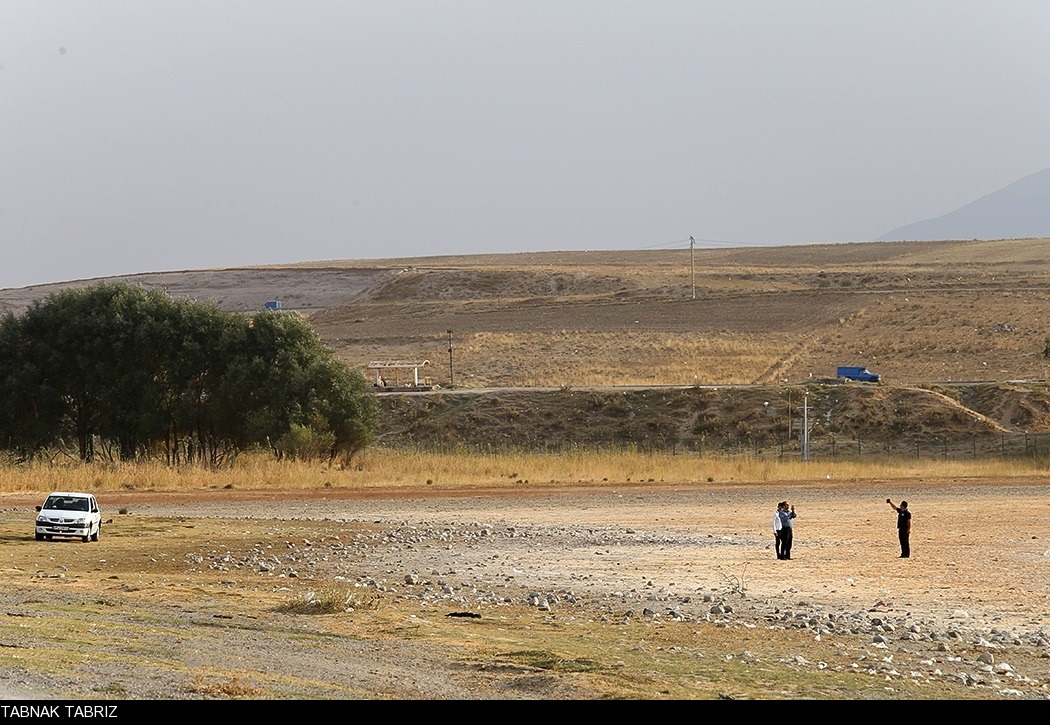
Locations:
(155, 135)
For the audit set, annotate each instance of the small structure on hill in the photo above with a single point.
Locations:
(388, 374)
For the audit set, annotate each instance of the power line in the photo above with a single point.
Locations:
(711, 243)
(675, 243)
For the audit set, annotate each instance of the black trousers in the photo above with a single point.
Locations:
(903, 535)
(785, 542)
(776, 542)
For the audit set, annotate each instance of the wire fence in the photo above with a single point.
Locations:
(824, 447)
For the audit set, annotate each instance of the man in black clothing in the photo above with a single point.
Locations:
(787, 525)
(903, 527)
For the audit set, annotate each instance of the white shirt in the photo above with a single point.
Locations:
(777, 525)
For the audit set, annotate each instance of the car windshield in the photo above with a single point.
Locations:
(59, 503)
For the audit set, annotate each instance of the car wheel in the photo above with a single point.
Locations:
(98, 533)
(39, 536)
(86, 538)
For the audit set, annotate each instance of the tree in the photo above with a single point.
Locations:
(124, 372)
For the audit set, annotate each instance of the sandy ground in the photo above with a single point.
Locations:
(980, 547)
(980, 561)
(978, 581)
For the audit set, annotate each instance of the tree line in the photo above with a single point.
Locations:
(114, 371)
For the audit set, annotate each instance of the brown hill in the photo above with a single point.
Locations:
(923, 314)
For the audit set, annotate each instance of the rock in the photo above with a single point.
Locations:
(986, 658)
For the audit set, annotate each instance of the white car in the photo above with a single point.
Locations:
(68, 513)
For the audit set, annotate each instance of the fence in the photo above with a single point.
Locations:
(824, 447)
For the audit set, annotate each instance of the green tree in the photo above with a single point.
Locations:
(123, 372)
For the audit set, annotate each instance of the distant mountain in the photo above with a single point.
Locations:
(1018, 211)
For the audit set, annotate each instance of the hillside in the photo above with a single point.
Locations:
(972, 419)
(923, 314)
(1019, 210)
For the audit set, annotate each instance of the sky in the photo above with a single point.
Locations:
(188, 134)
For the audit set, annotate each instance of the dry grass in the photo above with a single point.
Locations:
(929, 312)
(225, 689)
(332, 599)
(581, 357)
(920, 312)
(382, 468)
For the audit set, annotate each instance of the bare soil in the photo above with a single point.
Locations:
(915, 312)
(654, 572)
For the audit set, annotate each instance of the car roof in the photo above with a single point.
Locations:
(70, 493)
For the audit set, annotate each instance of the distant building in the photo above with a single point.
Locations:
(273, 305)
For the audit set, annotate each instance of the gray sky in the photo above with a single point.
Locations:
(140, 136)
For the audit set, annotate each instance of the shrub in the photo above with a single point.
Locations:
(332, 600)
(304, 443)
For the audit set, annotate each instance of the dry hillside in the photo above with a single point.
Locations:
(927, 315)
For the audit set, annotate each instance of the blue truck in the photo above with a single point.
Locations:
(848, 374)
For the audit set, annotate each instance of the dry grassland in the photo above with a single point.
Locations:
(932, 312)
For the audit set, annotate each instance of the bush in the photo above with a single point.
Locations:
(304, 443)
(332, 600)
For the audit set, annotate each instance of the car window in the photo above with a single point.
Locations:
(79, 504)
(54, 502)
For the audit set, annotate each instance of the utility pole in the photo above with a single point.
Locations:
(450, 378)
(692, 267)
(805, 427)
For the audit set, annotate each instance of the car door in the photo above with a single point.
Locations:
(96, 516)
